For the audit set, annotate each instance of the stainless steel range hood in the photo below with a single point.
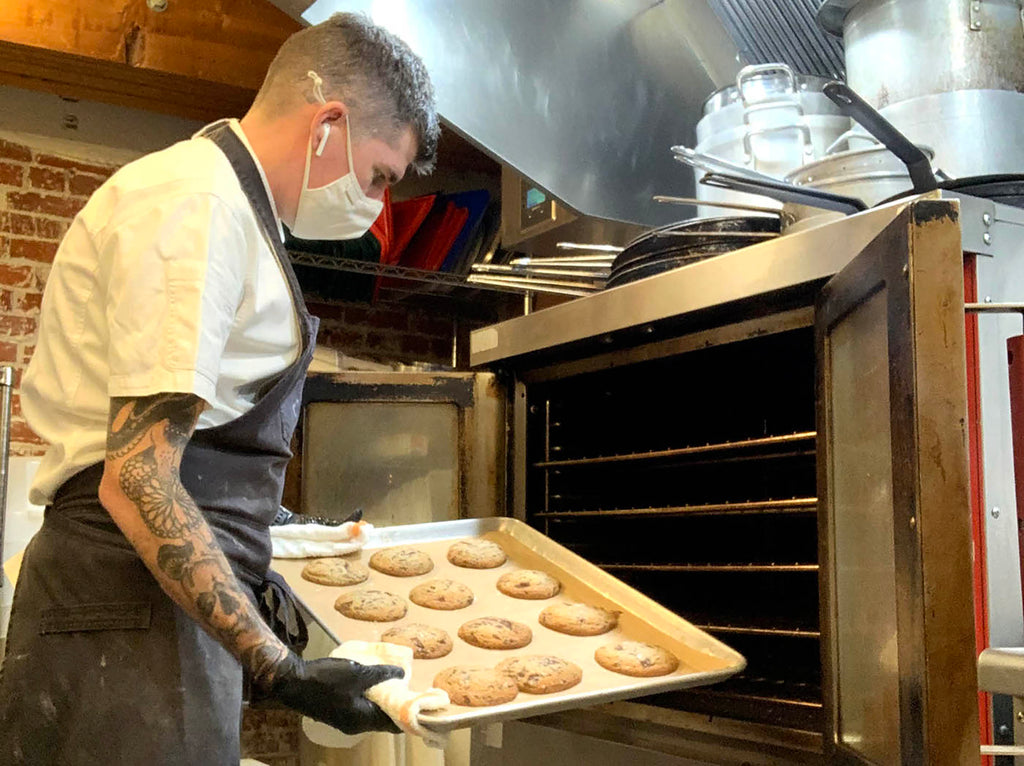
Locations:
(582, 98)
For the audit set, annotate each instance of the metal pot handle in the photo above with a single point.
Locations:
(749, 72)
(748, 147)
(788, 99)
(847, 136)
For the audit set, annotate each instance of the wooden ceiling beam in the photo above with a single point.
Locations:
(79, 77)
(197, 59)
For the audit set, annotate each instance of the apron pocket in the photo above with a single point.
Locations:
(83, 617)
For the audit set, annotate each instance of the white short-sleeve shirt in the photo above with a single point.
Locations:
(163, 283)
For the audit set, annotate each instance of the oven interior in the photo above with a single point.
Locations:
(692, 478)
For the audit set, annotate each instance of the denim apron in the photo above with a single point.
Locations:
(101, 666)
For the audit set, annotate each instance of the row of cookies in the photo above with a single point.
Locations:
(409, 561)
(631, 658)
(546, 674)
(430, 642)
(573, 619)
(440, 593)
(482, 686)
(403, 561)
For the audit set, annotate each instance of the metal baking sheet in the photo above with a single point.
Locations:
(703, 659)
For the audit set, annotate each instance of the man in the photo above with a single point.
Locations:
(167, 379)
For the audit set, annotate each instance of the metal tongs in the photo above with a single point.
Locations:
(712, 164)
(722, 174)
(784, 192)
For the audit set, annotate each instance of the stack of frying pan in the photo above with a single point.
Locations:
(1007, 189)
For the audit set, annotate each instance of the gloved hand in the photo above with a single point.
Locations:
(331, 690)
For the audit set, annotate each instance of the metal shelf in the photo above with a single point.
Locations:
(793, 505)
(471, 283)
(436, 278)
(766, 441)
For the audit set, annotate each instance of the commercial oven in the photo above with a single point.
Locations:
(776, 443)
(789, 445)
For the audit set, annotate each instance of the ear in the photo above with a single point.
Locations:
(323, 119)
(332, 111)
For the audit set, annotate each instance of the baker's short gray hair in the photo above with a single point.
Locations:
(380, 79)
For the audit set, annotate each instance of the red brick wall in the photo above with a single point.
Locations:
(39, 195)
(385, 332)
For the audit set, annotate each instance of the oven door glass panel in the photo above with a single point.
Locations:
(897, 630)
(399, 462)
(868, 694)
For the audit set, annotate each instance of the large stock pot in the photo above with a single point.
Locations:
(771, 121)
(947, 73)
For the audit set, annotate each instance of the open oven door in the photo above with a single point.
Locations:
(897, 629)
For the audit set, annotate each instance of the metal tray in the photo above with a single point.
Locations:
(703, 659)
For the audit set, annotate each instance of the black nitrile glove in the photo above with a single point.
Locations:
(284, 516)
(331, 691)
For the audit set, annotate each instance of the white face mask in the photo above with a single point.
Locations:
(341, 209)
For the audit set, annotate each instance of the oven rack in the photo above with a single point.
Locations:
(747, 630)
(792, 505)
(713, 568)
(729, 446)
(712, 468)
(741, 697)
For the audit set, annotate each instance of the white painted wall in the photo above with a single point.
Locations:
(87, 130)
(22, 520)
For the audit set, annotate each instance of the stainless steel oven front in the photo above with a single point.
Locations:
(773, 443)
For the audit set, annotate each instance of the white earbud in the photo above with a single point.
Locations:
(323, 141)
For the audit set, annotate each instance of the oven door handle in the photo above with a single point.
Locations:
(1001, 671)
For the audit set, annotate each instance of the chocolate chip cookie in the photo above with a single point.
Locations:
(529, 583)
(335, 571)
(426, 641)
(634, 658)
(495, 633)
(441, 594)
(476, 687)
(401, 561)
(371, 605)
(541, 673)
(578, 619)
(476, 553)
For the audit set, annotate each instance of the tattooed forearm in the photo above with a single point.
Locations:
(149, 436)
(226, 611)
(145, 443)
(262, 660)
(166, 507)
(132, 419)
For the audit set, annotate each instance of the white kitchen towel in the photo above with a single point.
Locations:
(303, 541)
(393, 696)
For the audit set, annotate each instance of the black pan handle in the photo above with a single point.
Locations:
(853, 106)
(783, 192)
